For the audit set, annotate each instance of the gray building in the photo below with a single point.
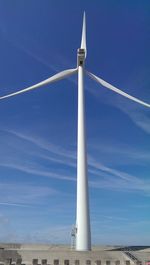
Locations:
(30, 254)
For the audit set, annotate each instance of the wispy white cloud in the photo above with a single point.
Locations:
(14, 204)
(138, 114)
(19, 43)
(29, 169)
(23, 194)
(129, 154)
(108, 218)
(56, 63)
(25, 160)
(119, 180)
(141, 206)
(110, 178)
(104, 176)
(118, 185)
(43, 144)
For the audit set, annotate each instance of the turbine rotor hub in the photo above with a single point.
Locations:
(80, 56)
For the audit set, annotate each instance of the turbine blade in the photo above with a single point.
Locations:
(53, 78)
(83, 40)
(115, 89)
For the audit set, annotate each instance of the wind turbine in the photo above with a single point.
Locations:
(82, 228)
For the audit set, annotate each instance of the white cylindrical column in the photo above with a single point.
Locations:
(83, 233)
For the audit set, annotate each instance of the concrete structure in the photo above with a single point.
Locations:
(17, 254)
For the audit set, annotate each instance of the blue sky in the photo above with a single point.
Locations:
(38, 130)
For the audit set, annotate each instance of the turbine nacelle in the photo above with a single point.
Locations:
(80, 57)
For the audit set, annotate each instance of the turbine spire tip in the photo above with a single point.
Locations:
(83, 40)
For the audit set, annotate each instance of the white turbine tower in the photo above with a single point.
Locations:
(83, 234)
